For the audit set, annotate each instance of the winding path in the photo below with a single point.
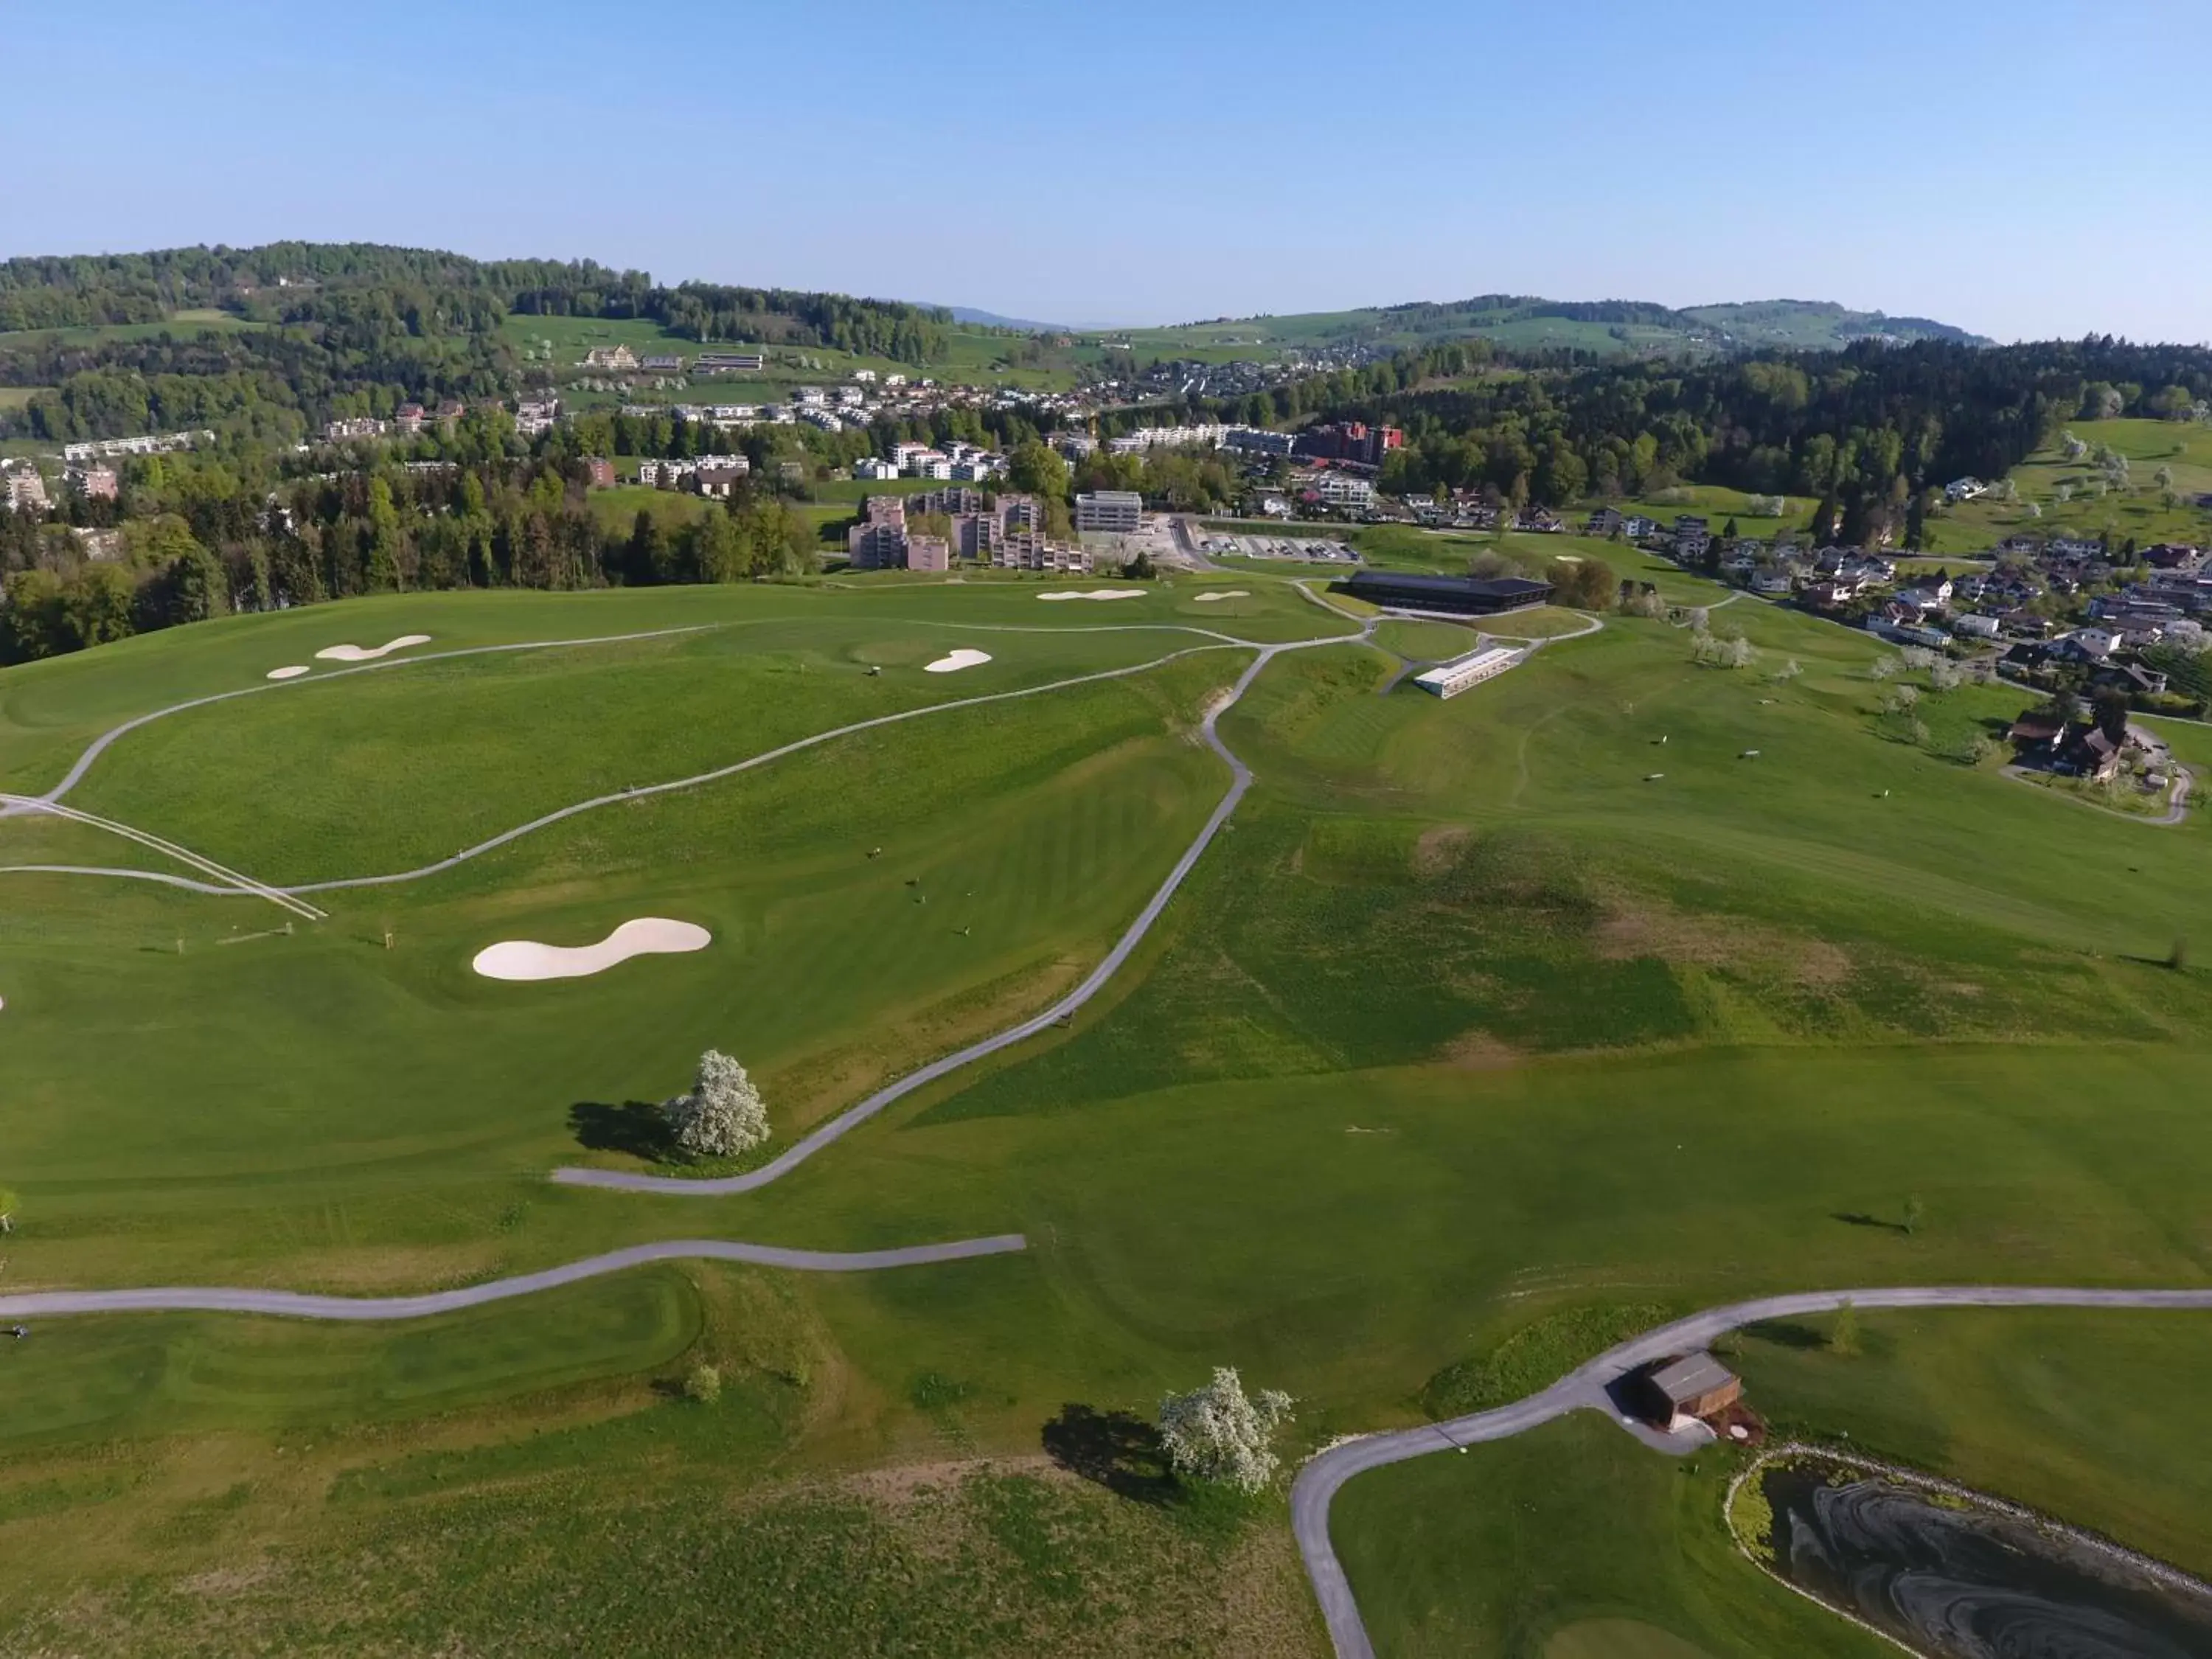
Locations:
(1585, 1388)
(293, 1305)
(13, 806)
(854, 1116)
(100, 744)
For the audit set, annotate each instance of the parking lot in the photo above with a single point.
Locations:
(1312, 549)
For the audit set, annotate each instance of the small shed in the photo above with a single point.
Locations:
(1696, 1385)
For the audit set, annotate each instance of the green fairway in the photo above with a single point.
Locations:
(1618, 980)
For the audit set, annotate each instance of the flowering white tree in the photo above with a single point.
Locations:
(1218, 1433)
(722, 1114)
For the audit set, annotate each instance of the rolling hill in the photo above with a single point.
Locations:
(1526, 322)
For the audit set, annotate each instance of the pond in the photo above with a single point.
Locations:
(1956, 1580)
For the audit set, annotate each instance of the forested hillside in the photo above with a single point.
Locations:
(313, 332)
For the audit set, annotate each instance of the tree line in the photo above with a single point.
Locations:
(201, 535)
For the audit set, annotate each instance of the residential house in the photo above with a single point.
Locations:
(720, 478)
(534, 416)
(2038, 737)
(599, 473)
(1964, 489)
(2131, 678)
(1976, 625)
(407, 420)
(613, 356)
(1774, 581)
(1606, 522)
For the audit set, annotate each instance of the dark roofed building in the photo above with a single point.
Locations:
(1467, 596)
(1696, 1385)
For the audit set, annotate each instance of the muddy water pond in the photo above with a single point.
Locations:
(1957, 1580)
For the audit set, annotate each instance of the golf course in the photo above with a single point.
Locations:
(1134, 987)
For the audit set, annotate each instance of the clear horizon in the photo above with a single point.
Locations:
(1966, 164)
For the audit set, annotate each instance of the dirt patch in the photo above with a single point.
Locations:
(1631, 929)
(1478, 1051)
(1437, 850)
(229, 1581)
(1822, 966)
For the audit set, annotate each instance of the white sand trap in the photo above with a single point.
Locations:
(1099, 593)
(953, 663)
(1233, 593)
(647, 936)
(290, 673)
(370, 652)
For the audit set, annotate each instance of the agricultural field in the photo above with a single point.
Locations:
(1618, 979)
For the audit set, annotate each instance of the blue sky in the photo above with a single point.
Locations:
(2027, 169)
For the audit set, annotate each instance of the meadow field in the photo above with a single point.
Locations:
(2138, 512)
(1618, 982)
(972, 357)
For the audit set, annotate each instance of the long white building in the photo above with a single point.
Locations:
(1448, 679)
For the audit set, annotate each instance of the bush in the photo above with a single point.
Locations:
(1535, 1356)
(703, 1385)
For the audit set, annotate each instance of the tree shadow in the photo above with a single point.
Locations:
(1117, 1450)
(1786, 1333)
(1860, 1218)
(636, 1126)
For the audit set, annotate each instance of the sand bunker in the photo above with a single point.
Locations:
(647, 936)
(955, 661)
(290, 673)
(370, 653)
(1099, 593)
(1233, 593)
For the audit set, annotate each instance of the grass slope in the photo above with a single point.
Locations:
(1467, 1020)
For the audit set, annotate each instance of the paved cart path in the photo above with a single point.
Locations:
(846, 1121)
(13, 806)
(293, 1305)
(1585, 1389)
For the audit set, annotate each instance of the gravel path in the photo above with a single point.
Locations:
(292, 1305)
(1585, 1388)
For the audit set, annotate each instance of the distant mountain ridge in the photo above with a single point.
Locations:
(1607, 327)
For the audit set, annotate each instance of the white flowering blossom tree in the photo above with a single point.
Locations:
(723, 1115)
(1734, 651)
(1219, 1433)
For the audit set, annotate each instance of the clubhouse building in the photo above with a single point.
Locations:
(1457, 596)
